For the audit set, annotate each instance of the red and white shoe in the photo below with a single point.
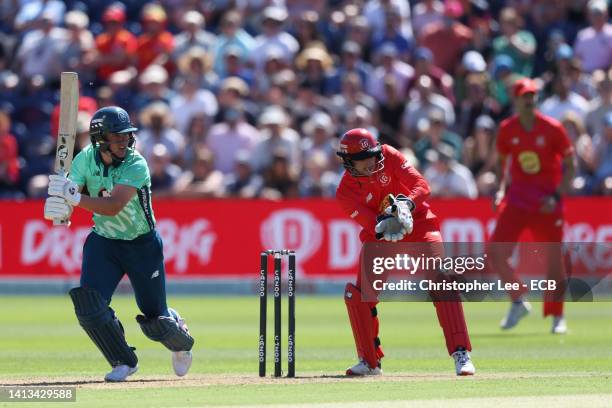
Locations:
(363, 369)
(463, 363)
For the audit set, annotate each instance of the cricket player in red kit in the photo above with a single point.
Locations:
(373, 172)
(537, 162)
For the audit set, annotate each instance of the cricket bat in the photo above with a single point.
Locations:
(66, 137)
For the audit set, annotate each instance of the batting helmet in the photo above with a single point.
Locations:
(359, 144)
(110, 119)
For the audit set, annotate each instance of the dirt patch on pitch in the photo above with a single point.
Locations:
(203, 380)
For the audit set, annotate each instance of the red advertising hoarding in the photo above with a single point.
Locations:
(223, 238)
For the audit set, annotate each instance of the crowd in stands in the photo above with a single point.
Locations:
(247, 98)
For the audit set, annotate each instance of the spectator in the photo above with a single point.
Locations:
(447, 178)
(80, 45)
(31, 13)
(243, 182)
(563, 100)
(358, 31)
(392, 34)
(195, 64)
(375, 11)
(425, 13)
(164, 173)
(602, 104)
(390, 114)
(314, 65)
(426, 102)
(602, 180)
(352, 95)
(594, 44)
(389, 65)
(514, 42)
(318, 180)
(191, 101)
(115, 46)
(472, 62)
(273, 18)
(350, 62)
(479, 152)
(9, 160)
(202, 180)
(477, 102)
(277, 134)
(41, 50)
(192, 35)
(155, 44)
(502, 69)
(195, 137)
(82, 132)
(231, 36)
(434, 134)
(153, 87)
(229, 136)
(449, 39)
(273, 64)
(423, 65)
(280, 181)
(319, 136)
(156, 120)
(306, 29)
(582, 142)
(235, 66)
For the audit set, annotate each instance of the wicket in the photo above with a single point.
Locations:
(263, 304)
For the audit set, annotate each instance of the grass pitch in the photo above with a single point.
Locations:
(42, 344)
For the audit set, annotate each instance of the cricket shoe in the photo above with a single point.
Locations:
(517, 311)
(120, 373)
(363, 369)
(463, 363)
(559, 326)
(181, 360)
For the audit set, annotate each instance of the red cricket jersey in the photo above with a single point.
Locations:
(108, 44)
(535, 159)
(361, 197)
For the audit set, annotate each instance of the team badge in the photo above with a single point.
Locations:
(384, 179)
(365, 144)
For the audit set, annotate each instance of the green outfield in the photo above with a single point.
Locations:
(42, 344)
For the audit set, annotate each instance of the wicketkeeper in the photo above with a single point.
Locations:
(122, 241)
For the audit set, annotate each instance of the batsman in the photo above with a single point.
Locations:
(375, 172)
(111, 179)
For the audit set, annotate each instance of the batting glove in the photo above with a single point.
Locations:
(61, 186)
(57, 209)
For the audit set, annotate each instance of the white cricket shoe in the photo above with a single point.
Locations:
(517, 311)
(362, 369)
(120, 373)
(463, 363)
(181, 361)
(559, 326)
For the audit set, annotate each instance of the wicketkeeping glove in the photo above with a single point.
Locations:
(396, 220)
(60, 186)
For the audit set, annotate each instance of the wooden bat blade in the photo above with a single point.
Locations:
(69, 106)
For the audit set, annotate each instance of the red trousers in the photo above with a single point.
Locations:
(545, 228)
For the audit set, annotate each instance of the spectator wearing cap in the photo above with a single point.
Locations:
(235, 66)
(230, 135)
(153, 87)
(602, 104)
(273, 64)
(351, 96)
(115, 46)
(86, 104)
(306, 29)
(164, 173)
(32, 12)
(193, 34)
(201, 180)
(434, 133)
(503, 78)
(479, 152)
(274, 125)
(319, 131)
(231, 35)
(448, 178)
(593, 45)
(472, 62)
(80, 44)
(514, 42)
(376, 12)
(243, 182)
(425, 13)
(195, 64)
(602, 179)
(9, 160)
(157, 127)
(423, 65)
(358, 30)
(563, 100)
(390, 64)
(273, 19)
(155, 44)
(426, 101)
(280, 177)
(41, 50)
(392, 34)
(315, 65)
(448, 39)
(350, 61)
(234, 92)
(190, 101)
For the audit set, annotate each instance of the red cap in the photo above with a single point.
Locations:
(114, 13)
(525, 85)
